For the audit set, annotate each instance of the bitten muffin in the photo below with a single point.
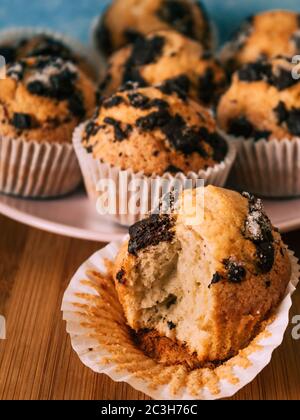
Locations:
(197, 293)
(266, 35)
(42, 45)
(43, 99)
(126, 20)
(171, 59)
(263, 101)
(154, 131)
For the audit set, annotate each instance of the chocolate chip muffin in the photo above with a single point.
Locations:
(266, 35)
(154, 131)
(18, 47)
(196, 294)
(126, 20)
(168, 58)
(42, 100)
(262, 101)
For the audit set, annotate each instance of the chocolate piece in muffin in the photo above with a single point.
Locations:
(221, 289)
(268, 34)
(171, 60)
(262, 101)
(44, 99)
(42, 45)
(150, 131)
(125, 21)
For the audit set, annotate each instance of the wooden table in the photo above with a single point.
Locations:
(36, 360)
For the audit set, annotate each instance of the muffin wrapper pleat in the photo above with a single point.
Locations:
(267, 168)
(103, 341)
(94, 171)
(37, 170)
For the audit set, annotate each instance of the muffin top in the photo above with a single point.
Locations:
(43, 99)
(263, 101)
(42, 45)
(170, 59)
(206, 285)
(146, 129)
(265, 35)
(127, 20)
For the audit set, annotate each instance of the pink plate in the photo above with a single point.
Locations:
(76, 217)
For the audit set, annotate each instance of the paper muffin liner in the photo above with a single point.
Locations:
(37, 170)
(86, 52)
(103, 341)
(267, 168)
(94, 171)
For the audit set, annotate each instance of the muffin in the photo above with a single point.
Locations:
(126, 20)
(261, 109)
(18, 47)
(266, 35)
(150, 133)
(42, 100)
(170, 59)
(197, 293)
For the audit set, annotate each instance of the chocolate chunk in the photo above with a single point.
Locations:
(172, 169)
(156, 119)
(132, 35)
(283, 80)
(258, 229)
(76, 105)
(51, 47)
(150, 232)
(103, 38)
(254, 72)
(281, 112)
(218, 144)
(216, 279)
(179, 15)
(236, 272)
(171, 325)
(293, 121)
(171, 300)
(9, 53)
(22, 121)
(207, 86)
(122, 131)
(138, 100)
(120, 276)
(268, 284)
(113, 101)
(241, 126)
(179, 85)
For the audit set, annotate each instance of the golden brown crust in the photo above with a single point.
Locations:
(147, 130)
(44, 99)
(176, 59)
(124, 21)
(268, 34)
(262, 101)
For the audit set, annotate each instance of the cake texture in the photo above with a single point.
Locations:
(42, 45)
(197, 293)
(268, 34)
(262, 102)
(170, 59)
(126, 20)
(154, 131)
(43, 99)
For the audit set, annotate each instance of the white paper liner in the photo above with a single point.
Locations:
(37, 170)
(267, 168)
(93, 171)
(17, 33)
(84, 297)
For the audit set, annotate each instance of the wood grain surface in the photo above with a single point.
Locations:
(36, 360)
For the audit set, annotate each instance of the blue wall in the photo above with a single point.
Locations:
(74, 16)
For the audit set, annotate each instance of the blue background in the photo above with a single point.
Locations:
(74, 16)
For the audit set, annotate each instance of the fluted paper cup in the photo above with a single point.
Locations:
(267, 168)
(104, 342)
(37, 170)
(94, 171)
